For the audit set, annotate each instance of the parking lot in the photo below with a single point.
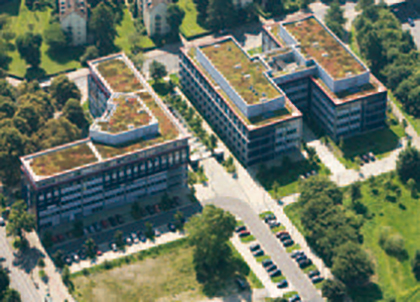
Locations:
(410, 19)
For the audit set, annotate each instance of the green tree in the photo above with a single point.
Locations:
(11, 295)
(90, 246)
(220, 14)
(29, 45)
(415, 266)
(4, 281)
(363, 4)
(333, 290)
(209, 234)
(62, 89)
(5, 59)
(179, 220)
(20, 220)
(352, 265)
(102, 26)
(355, 191)
(201, 6)
(157, 71)
(58, 259)
(411, 183)
(174, 17)
(320, 185)
(334, 18)
(7, 90)
(7, 107)
(90, 53)
(47, 240)
(55, 37)
(149, 232)
(408, 164)
(119, 240)
(57, 132)
(75, 114)
(41, 263)
(212, 143)
(65, 276)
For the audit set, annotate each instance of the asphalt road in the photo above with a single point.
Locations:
(20, 280)
(270, 245)
(107, 236)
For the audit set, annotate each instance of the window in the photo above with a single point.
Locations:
(158, 24)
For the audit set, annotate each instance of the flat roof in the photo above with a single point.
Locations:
(287, 112)
(128, 113)
(240, 71)
(317, 42)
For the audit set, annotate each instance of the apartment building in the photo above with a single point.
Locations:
(323, 77)
(73, 17)
(135, 148)
(236, 95)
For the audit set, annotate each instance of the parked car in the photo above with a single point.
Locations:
(282, 284)
(104, 224)
(317, 279)
(2, 223)
(98, 253)
(411, 22)
(273, 224)
(285, 238)
(300, 258)
(67, 260)
(141, 236)
(157, 233)
(372, 156)
(314, 273)
(171, 227)
(239, 229)
(365, 158)
(296, 253)
(305, 263)
(275, 273)
(254, 247)
(157, 209)
(269, 217)
(75, 257)
(114, 247)
(2, 259)
(258, 253)
(244, 233)
(295, 298)
(271, 268)
(112, 221)
(241, 283)
(119, 219)
(267, 262)
(82, 254)
(288, 242)
(134, 238)
(281, 233)
(128, 240)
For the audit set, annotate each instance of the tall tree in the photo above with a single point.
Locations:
(352, 265)
(29, 45)
(157, 71)
(75, 114)
(20, 220)
(201, 6)
(319, 185)
(57, 132)
(209, 233)
(62, 89)
(4, 281)
(174, 17)
(91, 53)
(90, 246)
(333, 290)
(334, 18)
(220, 14)
(11, 295)
(55, 37)
(416, 265)
(408, 164)
(102, 26)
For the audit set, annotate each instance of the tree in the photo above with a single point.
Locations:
(119, 240)
(363, 4)
(333, 290)
(355, 191)
(7, 107)
(20, 220)
(4, 281)
(157, 71)
(57, 132)
(352, 265)
(220, 14)
(11, 295)
(29, 45)
(4, 55)
(149, 233)
(209, 234)
(305, 3)
(318, 185)
(102, 26)
(90, 246)
(179, 220)
(334, 18)
(174, 17)
(55, 37)
(58, 259)
(65, 276)
(90, 53)
(416, 265)
(75, 114)
(62, 89)
(212, 143)
(411, 183)
(408, 164)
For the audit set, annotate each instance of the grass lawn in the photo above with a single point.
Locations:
(21, 19)
(125, 29)
(280, 182)
(263, 214)
(380, 142)
(162, 273)
(278, 229)
(292, 248)
(255, 51)
(393, 277)
(247, 239)
(262, 258)
(189, 27)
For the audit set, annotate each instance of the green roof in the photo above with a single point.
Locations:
(241, 72)
(118, 75)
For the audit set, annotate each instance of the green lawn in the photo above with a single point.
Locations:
(280, 182)
(189, 27)
(125, 29)
(393, 277)
(247, 239)
(380, 142)
(165, 273)
(255, 50)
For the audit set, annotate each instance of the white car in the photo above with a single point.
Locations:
(135, 239)
(2, 223)
(114, 247)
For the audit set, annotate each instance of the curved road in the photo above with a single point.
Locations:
(270, 245)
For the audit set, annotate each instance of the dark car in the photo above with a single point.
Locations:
(273, 224)
(254, 247)
(150, 210)
(241, 283)
(288, 242)
(104, 224)
(244, 233)
(317, 279)
(112, 221)
(281, 233)
(97, 227)
(300, 258)
(67, 260)
(314, 273)
(171, 227)
(282, 284)
(411, 22)
(285, 238)
(295, 298)
(157, 209)
(82, 254)
(267, 262)
(141, 236)
(269, 217)
(271, 268)
(2, 259)
(258, 253)
(275, 273)
(296, 253)
(305, 263)
(119, 219)
(240, 229)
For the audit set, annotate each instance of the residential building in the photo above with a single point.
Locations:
(73, 19)
(154, 16)
(135, 148)
(235, 93)
(323, 77)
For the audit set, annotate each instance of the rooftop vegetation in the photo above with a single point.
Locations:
(128, 112)
(245, 76)
(63, 159)
(318, 43)
(119, 76)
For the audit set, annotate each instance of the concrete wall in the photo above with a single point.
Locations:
(107, 138)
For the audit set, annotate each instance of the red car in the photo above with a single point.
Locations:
(244, 233)
(98, 253)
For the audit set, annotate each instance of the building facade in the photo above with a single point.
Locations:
(73, 20)
(154, 16)
(136, 148)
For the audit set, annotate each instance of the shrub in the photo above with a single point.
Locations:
(395, 246)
